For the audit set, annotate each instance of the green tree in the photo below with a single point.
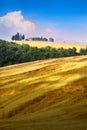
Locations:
(51, 39)
(83, 51)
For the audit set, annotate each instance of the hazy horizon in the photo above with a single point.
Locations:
(64, 20)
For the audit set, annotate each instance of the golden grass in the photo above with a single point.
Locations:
(47, 94)
(40, 44)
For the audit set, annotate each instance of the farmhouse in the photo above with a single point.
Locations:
(37, 39)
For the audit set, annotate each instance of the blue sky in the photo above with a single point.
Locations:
(62, 19)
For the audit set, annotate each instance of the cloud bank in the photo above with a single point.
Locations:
(15, 22)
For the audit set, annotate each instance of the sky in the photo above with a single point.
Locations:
(64, 20)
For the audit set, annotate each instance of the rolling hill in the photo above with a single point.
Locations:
(47, 94)
(65, 45)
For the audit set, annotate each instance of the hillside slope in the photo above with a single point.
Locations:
(65, 45)
(49, 94)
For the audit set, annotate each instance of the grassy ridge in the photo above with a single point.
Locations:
(49, 94)
(12, 53)
(65, 45)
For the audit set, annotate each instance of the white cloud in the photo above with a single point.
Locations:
(15, 22)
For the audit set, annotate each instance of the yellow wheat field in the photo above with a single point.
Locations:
(65, 45)
(44, 95)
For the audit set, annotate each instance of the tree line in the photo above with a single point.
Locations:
(41, 39)
(12, 53)
(19, 36)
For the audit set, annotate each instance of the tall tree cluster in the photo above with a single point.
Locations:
(18, 37)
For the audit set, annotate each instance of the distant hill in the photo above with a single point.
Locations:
(13, 53)
(44, 95)
(53, 44)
